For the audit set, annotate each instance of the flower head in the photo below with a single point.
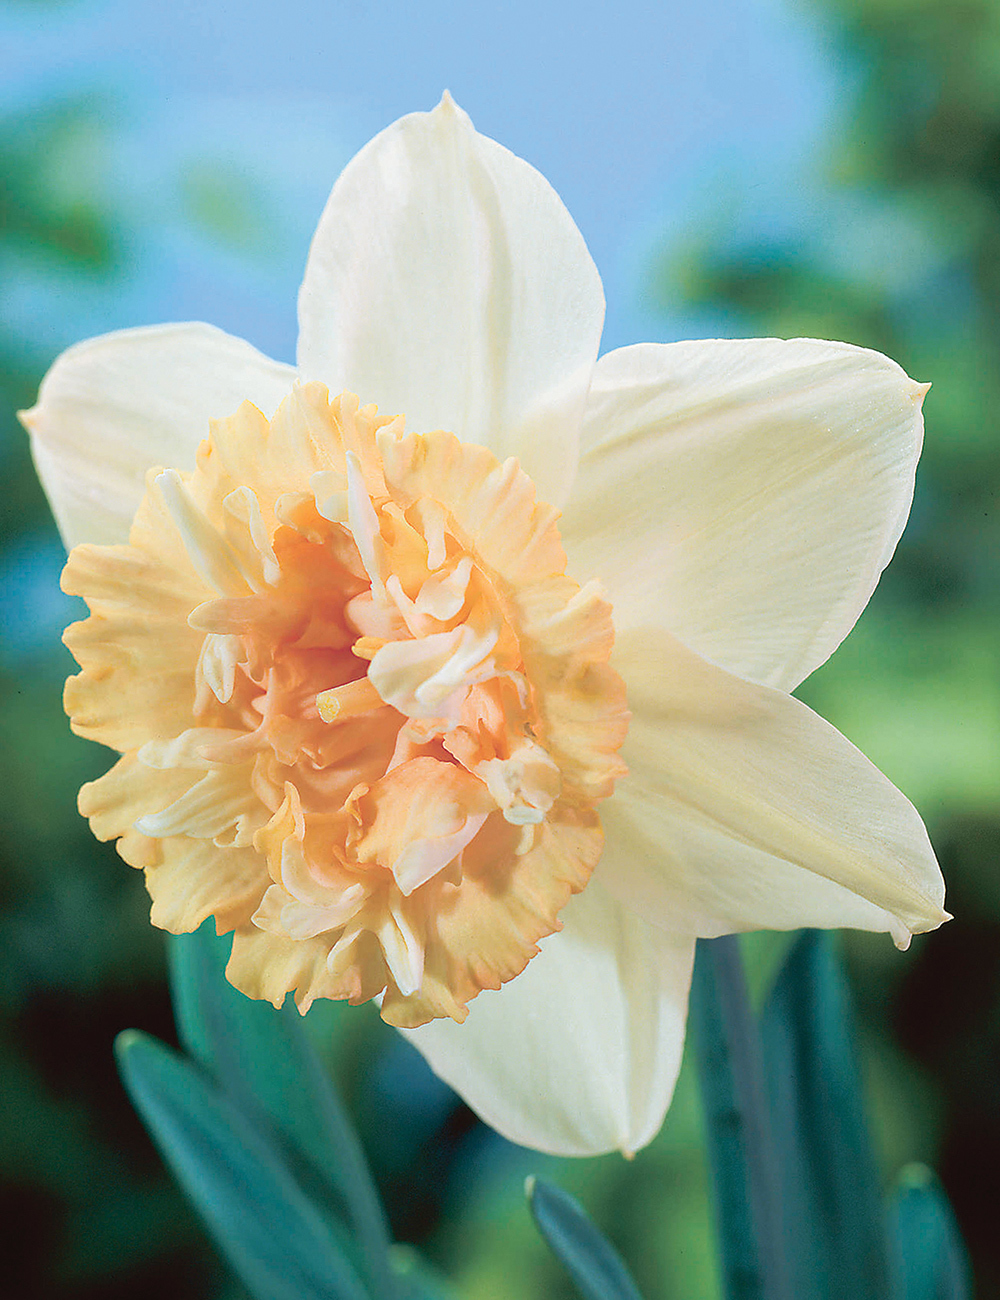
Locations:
(368, 722)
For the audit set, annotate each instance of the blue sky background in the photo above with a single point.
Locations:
(640, 116)
(653, 121)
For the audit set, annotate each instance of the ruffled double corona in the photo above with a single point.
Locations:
(365, 718)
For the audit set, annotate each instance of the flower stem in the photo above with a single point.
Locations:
(745, 1179)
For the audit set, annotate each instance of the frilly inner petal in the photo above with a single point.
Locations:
(395, 702)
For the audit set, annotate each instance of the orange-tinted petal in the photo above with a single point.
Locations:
(360, 683)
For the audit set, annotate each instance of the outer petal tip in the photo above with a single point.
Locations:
(771, 480)
(447, 108)
(579, 1054)
(446, 279)
(772, 818)
(936, 917)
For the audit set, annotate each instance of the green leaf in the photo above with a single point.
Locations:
(263, 1058)
(834, 1223)
(741, 1155)
(272, 1233)
(416, 1279)
(589, 1258)
(929, 1258)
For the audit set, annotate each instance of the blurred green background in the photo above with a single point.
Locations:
(886, 233)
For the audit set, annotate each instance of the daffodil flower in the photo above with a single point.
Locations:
(369, 723)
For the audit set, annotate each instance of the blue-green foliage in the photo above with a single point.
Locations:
(928, 1257)
(798, 1202)
(414, 1278)
(745, 1178)
(589, 1258)
(274, 1234)
(264, 1061)
(258, 1139)
(831, 1199)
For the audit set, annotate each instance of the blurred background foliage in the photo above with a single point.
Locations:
(902, 253)
(892, 240)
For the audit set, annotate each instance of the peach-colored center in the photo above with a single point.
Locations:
(404, 700)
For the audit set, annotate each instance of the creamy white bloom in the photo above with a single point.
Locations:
(737, 500)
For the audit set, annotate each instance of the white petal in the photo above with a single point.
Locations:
(211, 554)
(744, 810)
(579, 1054)
(744, 494)
(112, 407)
(448, 282)
(403, 950)
(221, 806)
(422, 859)
(290, 918)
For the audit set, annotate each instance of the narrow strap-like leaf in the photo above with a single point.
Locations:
(273, 1234)
(415, 1278)
(264, 1056)
(834, 1221)
(737, 1126)
(929, 1258)
(589, 1258)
